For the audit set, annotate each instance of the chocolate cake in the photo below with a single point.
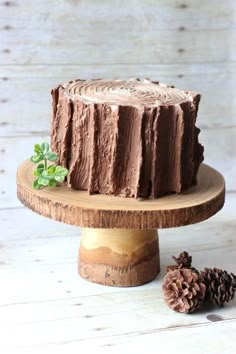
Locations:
(134, 138)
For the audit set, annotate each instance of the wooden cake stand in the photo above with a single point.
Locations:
(119, 244)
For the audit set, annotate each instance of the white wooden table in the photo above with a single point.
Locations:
(45, 307)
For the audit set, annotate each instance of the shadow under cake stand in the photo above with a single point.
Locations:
(119, 244)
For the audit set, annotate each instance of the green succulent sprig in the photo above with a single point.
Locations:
(47, 175)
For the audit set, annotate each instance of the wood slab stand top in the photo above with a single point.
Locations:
(119, 244)
(101, 211)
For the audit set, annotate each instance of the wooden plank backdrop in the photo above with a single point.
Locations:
(43, 43)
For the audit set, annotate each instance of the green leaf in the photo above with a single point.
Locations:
(44, 148)
(40, 168)
(51, 169)
(37, 149)
(50, 172)
(47, 176)
(35, 173)
(59, 178)
(43, 181)
(36, 158)
(36, 185)
(51, 156)
(61, 171)
(52, 184)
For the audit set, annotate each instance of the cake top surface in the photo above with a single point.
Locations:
(133, 92)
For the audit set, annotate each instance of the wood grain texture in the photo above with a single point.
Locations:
(46, 307)
(126, 32)
(119, 257)
(104, 14)
(98, 211)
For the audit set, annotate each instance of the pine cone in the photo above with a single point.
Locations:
(220, 286)
(184, 260)
(184, 290)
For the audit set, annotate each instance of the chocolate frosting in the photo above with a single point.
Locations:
(133, 92)
(134, 138)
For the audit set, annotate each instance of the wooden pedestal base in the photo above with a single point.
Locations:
(119, 257)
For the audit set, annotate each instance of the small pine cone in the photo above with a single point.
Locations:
(220, 286)
(184, 290)
(184, 260)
